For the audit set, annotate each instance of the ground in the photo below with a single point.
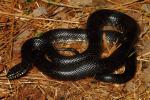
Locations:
(24, 19)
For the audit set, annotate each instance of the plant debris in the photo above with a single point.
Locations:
(39, 11)
(24, 19)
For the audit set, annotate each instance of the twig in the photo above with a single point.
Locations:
(130, 2)
(124, 4)
(11, 34)
(145, 54)
(144, 60)
(60, 4)
(29, 17)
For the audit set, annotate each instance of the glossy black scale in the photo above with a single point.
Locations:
(87, 63)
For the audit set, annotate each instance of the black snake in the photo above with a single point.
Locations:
(37, 50)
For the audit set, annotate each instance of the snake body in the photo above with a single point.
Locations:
(35, 46)
(87, 63)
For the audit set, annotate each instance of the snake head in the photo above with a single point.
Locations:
(17, 71)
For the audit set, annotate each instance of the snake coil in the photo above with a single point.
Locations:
(36, 51)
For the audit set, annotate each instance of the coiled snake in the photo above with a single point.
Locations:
(36, 51)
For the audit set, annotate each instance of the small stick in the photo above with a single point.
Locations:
(48, 19)
(60, 4)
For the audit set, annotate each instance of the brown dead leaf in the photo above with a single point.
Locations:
(146, 8)
(39, 11)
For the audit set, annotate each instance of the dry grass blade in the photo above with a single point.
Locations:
(60, 4)
(46, 19)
